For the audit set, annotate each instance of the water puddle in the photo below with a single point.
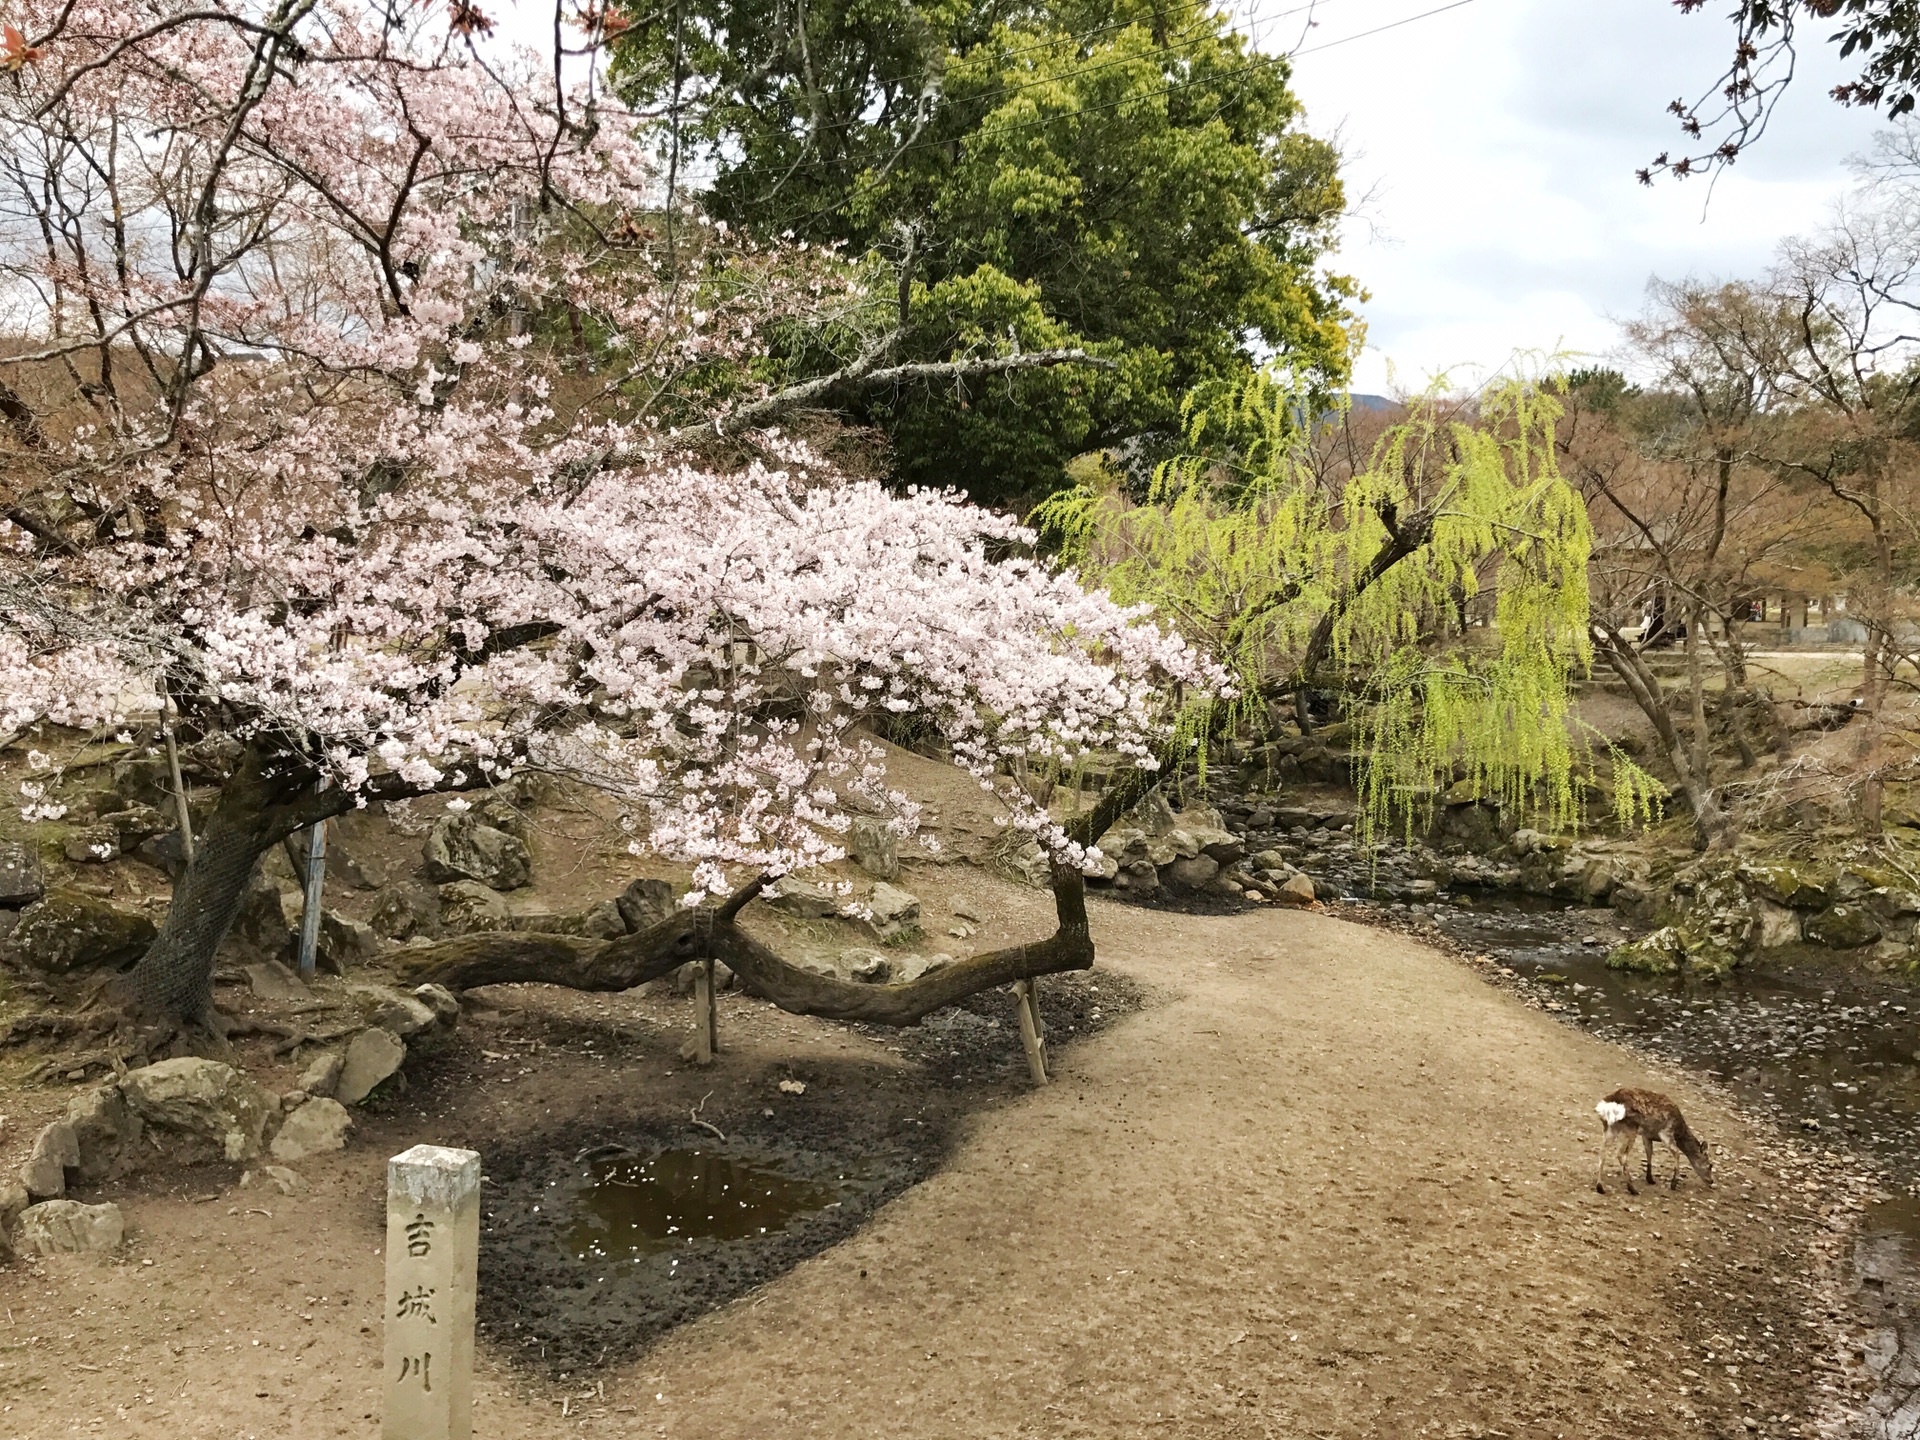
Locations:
(633, 1206)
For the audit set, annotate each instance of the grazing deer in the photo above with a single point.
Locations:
(1647, 1116)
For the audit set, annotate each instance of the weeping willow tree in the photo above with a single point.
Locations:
(1440, 586)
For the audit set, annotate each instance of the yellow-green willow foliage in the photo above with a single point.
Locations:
(1363, 585)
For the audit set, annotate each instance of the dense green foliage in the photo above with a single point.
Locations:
(1123, 176)
(1442, 585)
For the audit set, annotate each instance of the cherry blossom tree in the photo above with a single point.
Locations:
(369, 395)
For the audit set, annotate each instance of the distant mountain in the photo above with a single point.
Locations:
(1372, 402)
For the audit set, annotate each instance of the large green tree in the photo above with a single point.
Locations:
(1124, 177)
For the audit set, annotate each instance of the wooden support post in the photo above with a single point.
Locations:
(1030, 1031)
(316, 881)
(713, 1009)
(173, 771)
(703, 1046)
(433, 1248)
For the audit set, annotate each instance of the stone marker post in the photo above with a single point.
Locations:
(433, 1251)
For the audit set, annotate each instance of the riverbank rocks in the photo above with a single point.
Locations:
(1191, 874)
(1154, 845)
(373, 1056)
(203, 1100)
(1843, 927)
(21, 882)
(1661, 952)
(68, 931)
(318, 1127)
(1787, 885)
(892, 913)
(461, 847)
(1297, 890)
(66, 1227)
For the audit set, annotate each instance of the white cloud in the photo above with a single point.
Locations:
(1502, 139)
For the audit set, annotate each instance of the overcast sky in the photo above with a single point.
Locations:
(1501, 138)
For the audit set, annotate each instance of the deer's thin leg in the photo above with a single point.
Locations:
(1648, 1139)
(1606, 1145)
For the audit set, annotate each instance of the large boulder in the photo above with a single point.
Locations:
(1295, 890)
(55, 1151)
(892, 912)
(461, 847)
(268, 919)
(645, 902)
(1193, 874)
(802, 898)
(374, 1055)
(202, 1099)
(91, 844)
(467, 907)
(1662, 952)
(106, 1132)
(66, 1227)
(344, 941)
(393, 1010)
(1843, 927)
(405, 911)
(1790, 885)
(874, 848)
(70, 931)
(21, 882)
(136, 824)
(317, 1127)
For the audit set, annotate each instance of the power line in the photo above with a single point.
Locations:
(1382, 29)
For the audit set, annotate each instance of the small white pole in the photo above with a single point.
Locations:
(433, 1256)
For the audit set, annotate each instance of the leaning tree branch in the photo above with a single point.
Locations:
(867, 373)
(500, 958)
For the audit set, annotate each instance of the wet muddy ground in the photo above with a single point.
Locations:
(597, 1242)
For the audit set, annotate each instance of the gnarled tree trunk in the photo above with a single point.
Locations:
(265, 800)
(620, 964)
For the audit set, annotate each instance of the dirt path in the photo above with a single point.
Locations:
(1332, 1186)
